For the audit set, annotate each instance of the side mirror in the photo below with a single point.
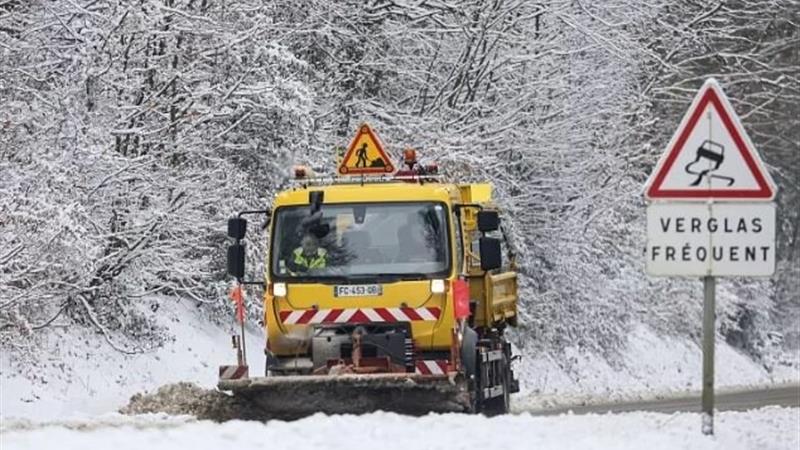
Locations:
(488, 221)
(237, 228)
(491, 257)
(236, 261)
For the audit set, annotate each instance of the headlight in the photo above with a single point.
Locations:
(279, 289)
(437, 286)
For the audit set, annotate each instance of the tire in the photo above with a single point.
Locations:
(469, 361)
(499, 405)
(270, 362)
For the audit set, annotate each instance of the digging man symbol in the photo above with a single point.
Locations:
(361, 153)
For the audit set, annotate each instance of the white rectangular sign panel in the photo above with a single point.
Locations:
(716, 239)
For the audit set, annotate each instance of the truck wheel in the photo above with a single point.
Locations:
(469, 361)
(499, 405)
(270, 363)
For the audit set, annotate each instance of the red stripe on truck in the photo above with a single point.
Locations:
(359, 315)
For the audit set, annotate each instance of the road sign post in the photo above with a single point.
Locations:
(709, 212)
(709, 321)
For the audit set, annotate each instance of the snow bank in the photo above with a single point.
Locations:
(768, 428)
(651, 365)
(82, 376)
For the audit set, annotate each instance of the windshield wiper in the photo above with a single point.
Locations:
(361, 278)
(340, 279)
(393, 277)
(324, 279)
(415, 276)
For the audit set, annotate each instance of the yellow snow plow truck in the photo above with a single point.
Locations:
(384, 290)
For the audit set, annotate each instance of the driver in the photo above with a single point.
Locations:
(309, 255)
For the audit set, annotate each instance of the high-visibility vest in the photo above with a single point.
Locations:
(317, 262)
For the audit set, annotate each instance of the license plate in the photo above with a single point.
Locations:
(357, 290)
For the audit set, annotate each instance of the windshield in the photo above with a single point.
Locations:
(361, 241)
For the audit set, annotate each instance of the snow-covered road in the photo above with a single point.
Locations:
(726, 399)
(767, 428)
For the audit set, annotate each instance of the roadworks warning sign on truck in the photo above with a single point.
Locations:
(365, 155)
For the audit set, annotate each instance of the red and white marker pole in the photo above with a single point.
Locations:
(237, 296)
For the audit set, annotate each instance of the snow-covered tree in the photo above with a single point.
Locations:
(132, 129)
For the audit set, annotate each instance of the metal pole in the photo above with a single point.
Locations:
(708, 353)
(244, 313)
(244, 347)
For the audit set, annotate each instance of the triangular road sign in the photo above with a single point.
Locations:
(710, 156)
(365, 155)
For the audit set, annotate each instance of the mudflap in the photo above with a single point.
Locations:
(292, 397)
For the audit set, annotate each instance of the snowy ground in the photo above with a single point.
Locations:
(68, 402)
(768, 428)
(653, 367)
(81, 376)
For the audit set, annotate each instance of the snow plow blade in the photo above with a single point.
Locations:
(291, 397)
